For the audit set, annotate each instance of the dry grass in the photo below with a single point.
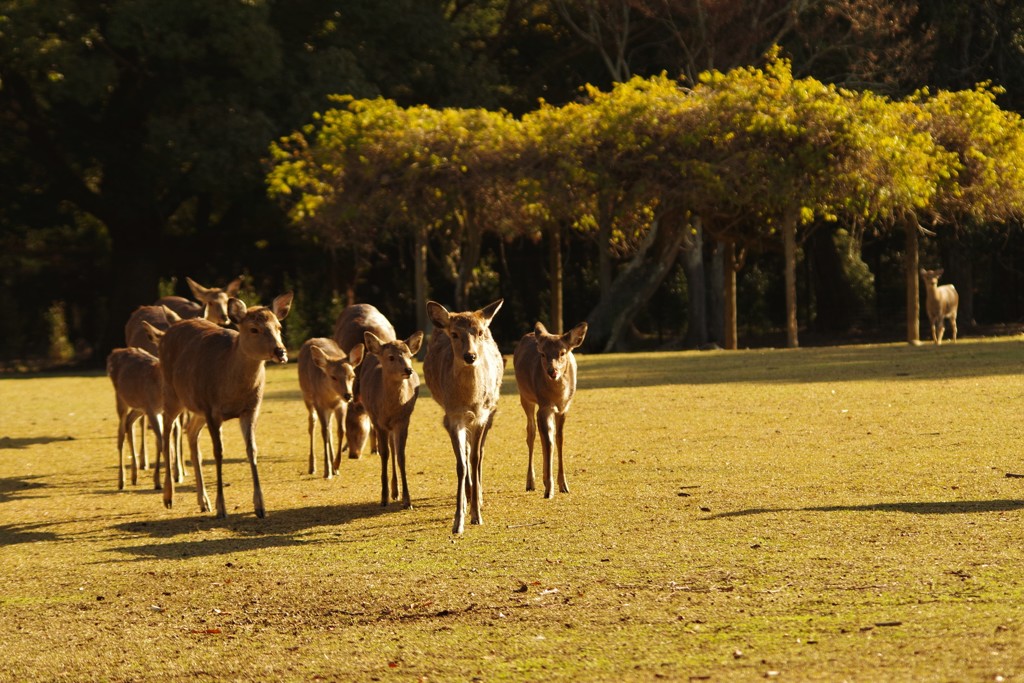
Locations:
(819, 514)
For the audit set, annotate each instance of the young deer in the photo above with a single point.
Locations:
(138, 391)
(326, 377)
(389, 387)
(135, 335)
(213, 301)
(353, 423)
(546, 375)
(219, 374)
(941, 302)
(464, 369)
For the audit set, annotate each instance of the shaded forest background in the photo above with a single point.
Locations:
(135, 139)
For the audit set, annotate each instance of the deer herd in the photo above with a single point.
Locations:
(189, 365)
(194, 364)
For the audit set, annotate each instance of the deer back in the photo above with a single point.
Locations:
(545, 366)
(135, 374)
(388, 382)
(218, 371)
(357, 319)
(135, 333)
(463, 366)
(326, 373)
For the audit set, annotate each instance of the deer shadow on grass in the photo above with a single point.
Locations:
(279, 529)
(913, 508)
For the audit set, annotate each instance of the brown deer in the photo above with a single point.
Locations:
(941, 302)
(389, 387)
(135, 335)
(326, 377)
(353, 423)
(464, 368)
(219, 374)
(138, 391)
(546, 375)
(213, 301)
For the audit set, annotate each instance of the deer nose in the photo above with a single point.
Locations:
(470, 358)
(553, 373)
(281, 354)
(408, 372)
(347, 397)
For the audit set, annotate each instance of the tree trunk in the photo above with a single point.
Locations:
(731, 267)
(556, 275)
(910, 267)
(789, 249)
(420, 286)
(635, 284)
(715, 292)
(696, 293)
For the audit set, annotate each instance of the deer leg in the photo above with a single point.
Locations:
(143, 451)
(156, 421)
(457, 433)
(401, 437)
(132, 418)
(213, 426)
(476, 466)
(122, 413)
(952, 326)
(179, 444)
(195, 425)
(392, 436)
(563, 483)
(311, 423)
(546, 418)
(340, 414)
(531, 434)
(325, 434)
(248, 423)
(385, 455)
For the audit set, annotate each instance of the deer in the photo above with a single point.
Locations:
(389, 387)
(941, 302)
(213, 301)
(545, 371)
(135, 335)
(326, 378)
(354, 425)
(135, 374)
(464, 368)
(219, 374)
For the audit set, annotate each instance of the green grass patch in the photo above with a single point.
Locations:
(815, 514)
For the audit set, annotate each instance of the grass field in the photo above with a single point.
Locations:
(815, 514)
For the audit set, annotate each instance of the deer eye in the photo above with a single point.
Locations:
(455, 335)
(254, 330)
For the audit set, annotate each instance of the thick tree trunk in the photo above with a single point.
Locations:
(696, 290)
(910, 267)
(556, 275)
(716, 292)
(789, 249)
(635, 284)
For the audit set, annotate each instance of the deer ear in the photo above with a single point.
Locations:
(282, 305)
(574, 337)
(318, 356)
(198, 291)
(154, 334)
(355, 355)
(233, 287)
(539, 329)
(923, 272)
(438, 314)
(488, 312)
(171, 316)
(415, 342)
(236, 310)
(373, 343)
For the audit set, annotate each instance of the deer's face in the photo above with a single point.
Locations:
(259, 332)
(467, 332)
(340, 376)
(931, 277)
(554, 355)
(396, 359)
(215, 306)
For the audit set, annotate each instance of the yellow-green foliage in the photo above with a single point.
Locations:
(816, 514)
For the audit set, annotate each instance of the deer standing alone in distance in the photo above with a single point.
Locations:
(213, 301)
(941, 302)
(138, 391)
(353, 423)
(219, 374)
(546, 376)
(326, 377)
(135, 335)
(389, 387)
(464, 369)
